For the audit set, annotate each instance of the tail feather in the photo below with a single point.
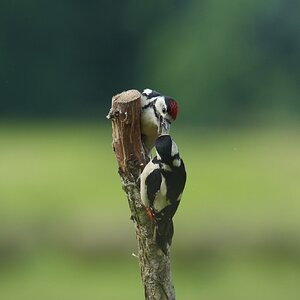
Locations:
(164, 234)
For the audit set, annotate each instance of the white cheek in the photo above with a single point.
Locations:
(159, 105)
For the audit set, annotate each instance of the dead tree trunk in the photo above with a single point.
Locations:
(126, 133)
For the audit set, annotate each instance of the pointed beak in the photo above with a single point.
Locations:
(159, 125)
(165, 126)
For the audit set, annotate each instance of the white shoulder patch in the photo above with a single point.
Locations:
(161, 200)
(163, 186)
(174, 150)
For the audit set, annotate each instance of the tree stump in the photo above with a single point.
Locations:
(125, 115)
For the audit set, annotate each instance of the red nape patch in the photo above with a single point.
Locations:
(173, 109)
(149, 214)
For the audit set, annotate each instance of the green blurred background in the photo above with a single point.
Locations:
(234, 68)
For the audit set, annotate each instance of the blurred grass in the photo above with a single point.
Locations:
(65, 231)
(50, 277)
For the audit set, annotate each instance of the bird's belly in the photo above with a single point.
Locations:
(149, 131)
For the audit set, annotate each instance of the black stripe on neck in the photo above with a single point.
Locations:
(151, 105)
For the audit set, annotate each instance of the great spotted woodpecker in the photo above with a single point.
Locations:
(162, 184)
(158, 112)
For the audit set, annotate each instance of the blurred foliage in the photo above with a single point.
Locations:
(66, 233)
(229, 61)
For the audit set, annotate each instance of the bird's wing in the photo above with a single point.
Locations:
(153, 183)
(176, 182)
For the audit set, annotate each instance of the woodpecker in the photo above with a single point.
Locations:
(158, 111)
(162, 184)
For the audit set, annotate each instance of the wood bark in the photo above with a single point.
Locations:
(155, 268)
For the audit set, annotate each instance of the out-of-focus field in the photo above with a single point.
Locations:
(65, 231)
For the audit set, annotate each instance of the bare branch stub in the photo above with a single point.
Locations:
(154, 265)
(125, 115)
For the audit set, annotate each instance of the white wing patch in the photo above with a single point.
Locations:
(163, 186)
(161, 200)
(174, 150)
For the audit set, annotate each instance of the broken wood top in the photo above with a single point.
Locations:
(127, 96)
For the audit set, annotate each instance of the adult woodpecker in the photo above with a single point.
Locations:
(162, 184)
(158, 111)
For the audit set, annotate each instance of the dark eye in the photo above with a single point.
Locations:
(164, 110)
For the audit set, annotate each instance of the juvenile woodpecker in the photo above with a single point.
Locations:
(158, 112)
(162, 184)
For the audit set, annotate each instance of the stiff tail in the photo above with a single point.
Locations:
(163, 235)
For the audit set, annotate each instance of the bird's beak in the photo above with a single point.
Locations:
(165, 126)
(160, 125)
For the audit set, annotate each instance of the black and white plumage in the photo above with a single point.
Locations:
(158, 112)
(162, 184)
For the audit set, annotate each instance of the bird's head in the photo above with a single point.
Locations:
(166, 149)
(148, 96)
(167, 110)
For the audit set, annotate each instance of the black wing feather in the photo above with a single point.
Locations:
(175, 182)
